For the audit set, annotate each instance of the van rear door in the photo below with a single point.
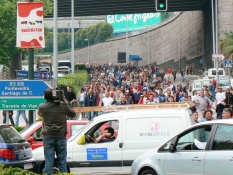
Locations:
(147, 132)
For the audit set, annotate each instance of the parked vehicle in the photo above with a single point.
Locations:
(34, 137)
(14, 150)
(64, 63)
(136, 132)
(212, 72)
(205, 148)
(199, 83)
(224, 82)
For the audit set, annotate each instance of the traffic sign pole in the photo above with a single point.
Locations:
(31, 75)
(216, 58)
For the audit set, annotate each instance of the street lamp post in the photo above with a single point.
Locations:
(88, 50)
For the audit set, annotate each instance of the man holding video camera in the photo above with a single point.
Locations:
(54, 129)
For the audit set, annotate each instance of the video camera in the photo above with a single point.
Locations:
(57, 94)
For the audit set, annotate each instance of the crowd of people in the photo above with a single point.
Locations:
(121, 85)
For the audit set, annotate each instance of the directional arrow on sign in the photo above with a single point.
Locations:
(219, 57)
(23, 88)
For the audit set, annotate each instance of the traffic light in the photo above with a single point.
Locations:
(161, 5)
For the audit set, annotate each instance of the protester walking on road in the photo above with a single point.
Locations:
(202, 103)
(174, 74)
(21, 112)
(80, 99)
(220, 97)
(10, 117)
(90, 100)
(70, 96)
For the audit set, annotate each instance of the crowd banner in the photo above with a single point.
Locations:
(30, 25)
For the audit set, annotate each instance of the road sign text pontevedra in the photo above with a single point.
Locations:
(22, 88)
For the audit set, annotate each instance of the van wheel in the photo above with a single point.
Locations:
(55, 168)
(148, 172)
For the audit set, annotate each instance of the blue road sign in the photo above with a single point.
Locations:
(23, 74)
(22, 88)
(227, 63)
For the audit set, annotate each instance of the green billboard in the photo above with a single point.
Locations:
(133, 22)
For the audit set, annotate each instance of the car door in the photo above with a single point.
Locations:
(188, 158)
(100, 157)
(219, 159)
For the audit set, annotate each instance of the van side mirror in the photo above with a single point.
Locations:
(82, 140)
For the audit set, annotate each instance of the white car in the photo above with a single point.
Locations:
(203, 149)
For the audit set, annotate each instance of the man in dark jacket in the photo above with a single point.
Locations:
(90, 100)
(54, 130)
(70, 96)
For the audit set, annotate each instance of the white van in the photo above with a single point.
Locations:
(212, 72)
(136, 131)
(62, 63)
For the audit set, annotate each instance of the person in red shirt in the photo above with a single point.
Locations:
(169, 71)
(144, 98)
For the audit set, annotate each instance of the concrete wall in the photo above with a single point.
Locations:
(225, 17)
(178, 38)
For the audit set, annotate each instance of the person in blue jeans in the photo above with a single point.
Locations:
(21, 112)
(54, 130)
(10, 117)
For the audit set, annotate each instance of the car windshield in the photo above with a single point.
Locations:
(9, 135)
(29, 130)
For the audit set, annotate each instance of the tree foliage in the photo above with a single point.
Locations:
(227, 45)
(8, 23)
(7, 31)
(95, 34)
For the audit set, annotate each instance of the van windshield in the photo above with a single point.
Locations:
(64, 64)
(80, 130)
(197, 84)
(206, 82)
(220, 72)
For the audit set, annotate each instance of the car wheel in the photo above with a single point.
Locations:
(148, 172)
